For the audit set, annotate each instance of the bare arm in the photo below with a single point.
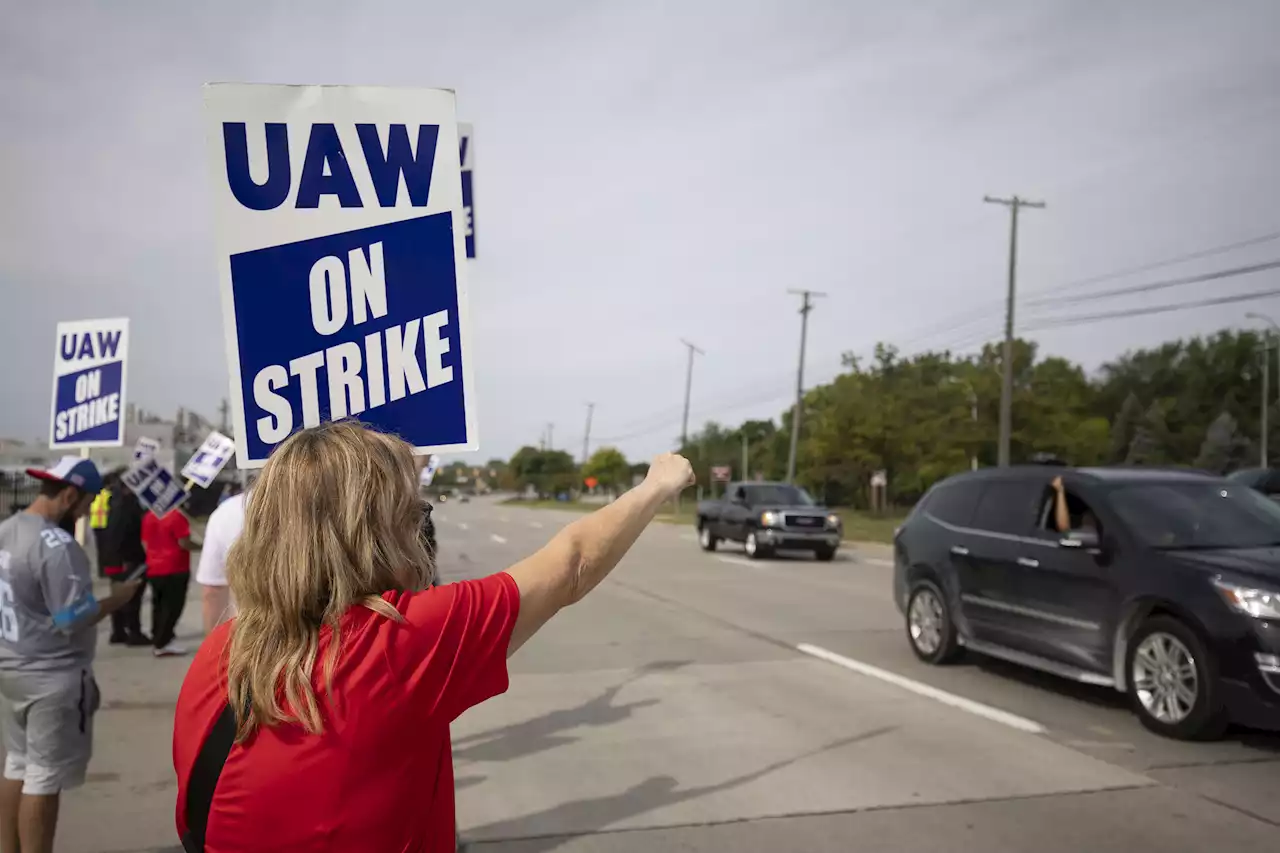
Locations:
(582, 554)
(121, 594)
(1061, 517)
(215, 606)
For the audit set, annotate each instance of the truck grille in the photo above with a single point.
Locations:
(805, 521)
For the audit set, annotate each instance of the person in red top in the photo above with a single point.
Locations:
(168, 544)
(345, 665)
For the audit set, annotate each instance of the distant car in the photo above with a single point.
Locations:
(767, 517)
(1264, 480)
(1170, 593)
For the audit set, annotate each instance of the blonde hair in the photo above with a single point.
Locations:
(334, 520)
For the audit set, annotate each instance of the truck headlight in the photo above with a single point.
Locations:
(769, 519)
(1258, 603)
(833, 520)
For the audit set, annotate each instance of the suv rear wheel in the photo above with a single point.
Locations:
(705, 539)
(1173, 681)
(930, 631)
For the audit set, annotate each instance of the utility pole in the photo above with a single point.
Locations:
(1266, 402)
(586, 436)
(688, 386)
(1275, 328)
(746, 475)
(806, 305)
(973, 412)
(550, 430)
(1014, 203)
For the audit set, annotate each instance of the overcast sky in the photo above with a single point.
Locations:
(658, 170)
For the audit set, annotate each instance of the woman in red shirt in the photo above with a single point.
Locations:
(345, 666)
(169, 545)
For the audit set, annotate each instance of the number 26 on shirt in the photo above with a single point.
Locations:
(8, 617)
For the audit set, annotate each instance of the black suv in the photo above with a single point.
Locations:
(1165, 587)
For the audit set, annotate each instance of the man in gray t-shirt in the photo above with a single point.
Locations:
(48, 634)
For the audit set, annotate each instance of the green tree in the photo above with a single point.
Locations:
(1223, 449)
(1150, 439)
(610, 467)
(1123, 429)
(548, 472)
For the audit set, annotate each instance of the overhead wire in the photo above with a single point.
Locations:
(664, 420)
(1075, 320)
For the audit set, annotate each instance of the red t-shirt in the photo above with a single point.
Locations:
(379, 778)
(160, 537)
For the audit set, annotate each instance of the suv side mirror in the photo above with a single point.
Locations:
(1085, 539)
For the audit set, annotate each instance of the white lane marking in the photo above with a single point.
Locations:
(689, 537)
(504, 518)
(741, 561)
(537, 525)
(496, 538)
(981, 710)
(875, 561)
(462, 525)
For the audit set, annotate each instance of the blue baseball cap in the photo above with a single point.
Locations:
(74, 471)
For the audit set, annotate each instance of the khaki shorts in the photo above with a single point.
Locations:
(48, 727)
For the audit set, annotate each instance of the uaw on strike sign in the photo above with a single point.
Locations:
(88, 383)
(341, 256)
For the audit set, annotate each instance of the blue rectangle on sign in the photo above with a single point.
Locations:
(469, 211)
(362, 323)
(87, 405)
(162, 493)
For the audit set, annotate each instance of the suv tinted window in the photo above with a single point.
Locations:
(953, 502)
(1007, 507)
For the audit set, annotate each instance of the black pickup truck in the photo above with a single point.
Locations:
(767, 517)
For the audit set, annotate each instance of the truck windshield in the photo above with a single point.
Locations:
(777, 494)
(1203, 516)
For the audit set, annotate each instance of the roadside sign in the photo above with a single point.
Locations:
(467, 158)
(880, 479)
(340, 234)
(721, 473)
(145, 448)
(591, 482)
(206, 462)
(429, 472)
(89, 383)
(155, 487)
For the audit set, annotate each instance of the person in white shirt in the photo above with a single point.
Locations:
(223, 529)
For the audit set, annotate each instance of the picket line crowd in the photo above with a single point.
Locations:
(337, 679)
(49, 617)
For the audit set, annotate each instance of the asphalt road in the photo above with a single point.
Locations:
(701, 702)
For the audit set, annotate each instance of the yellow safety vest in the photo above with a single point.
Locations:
(98, 510)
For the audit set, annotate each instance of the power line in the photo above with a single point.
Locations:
(1157, 285)
(980, 314)
(1167, 262)
(1077, 319)
(664, 419)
